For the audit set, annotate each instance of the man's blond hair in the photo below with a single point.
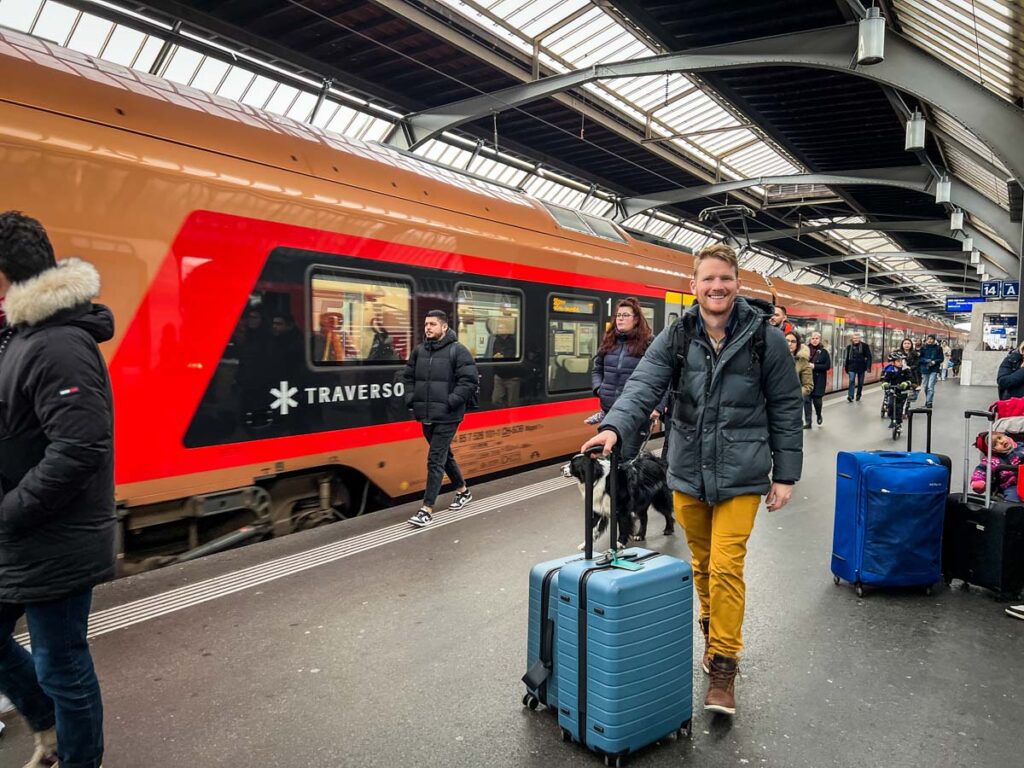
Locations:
(719, 251)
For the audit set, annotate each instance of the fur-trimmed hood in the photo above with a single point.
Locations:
(70, 284)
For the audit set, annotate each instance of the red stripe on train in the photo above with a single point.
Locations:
(174, 343)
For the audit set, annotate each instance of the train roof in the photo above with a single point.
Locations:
(49, 77)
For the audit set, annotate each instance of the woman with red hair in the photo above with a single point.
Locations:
(623, 346)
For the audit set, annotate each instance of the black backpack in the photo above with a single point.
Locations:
(682, 337)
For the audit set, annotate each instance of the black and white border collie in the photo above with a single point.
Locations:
(641, 486)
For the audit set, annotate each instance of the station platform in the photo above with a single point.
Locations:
(371, 643)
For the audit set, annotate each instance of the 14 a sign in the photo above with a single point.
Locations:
(1011, 289)
(992, 289)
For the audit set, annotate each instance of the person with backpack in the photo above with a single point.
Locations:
(440, 380)
(930, 364)
(736, 436)
(857, 363)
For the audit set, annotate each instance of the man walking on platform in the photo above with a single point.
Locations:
(857, 363)
(440, 379)
(931, 365)
(736, 410)
(56, 490)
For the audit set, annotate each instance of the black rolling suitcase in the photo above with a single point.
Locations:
(983, 538)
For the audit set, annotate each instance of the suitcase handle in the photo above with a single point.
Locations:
(928, 428)
(990, 416)
(588, 498)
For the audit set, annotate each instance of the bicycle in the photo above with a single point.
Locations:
(895, 405)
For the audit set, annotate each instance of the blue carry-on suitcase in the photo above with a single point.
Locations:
(890, 507)
(541, 683)
(623, 647)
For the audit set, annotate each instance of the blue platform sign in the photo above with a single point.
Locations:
(1011, 289)
(962, 304)
(992, 289)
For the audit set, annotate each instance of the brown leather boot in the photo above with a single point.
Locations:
(705, 627)
(722, 688)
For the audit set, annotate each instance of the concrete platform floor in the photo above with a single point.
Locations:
(405, 648)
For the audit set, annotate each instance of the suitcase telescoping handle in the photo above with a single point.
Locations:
(990, 416)
(588, 498)
(928, 428)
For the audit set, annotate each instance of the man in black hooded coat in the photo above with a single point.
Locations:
(56, 489)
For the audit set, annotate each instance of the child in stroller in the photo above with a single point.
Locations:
(1007, 455)
(897, 384)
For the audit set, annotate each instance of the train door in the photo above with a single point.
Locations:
(673, 308)
(827, 331)
(839, 355)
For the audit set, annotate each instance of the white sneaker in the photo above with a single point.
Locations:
(1017, 611)
(5, 704)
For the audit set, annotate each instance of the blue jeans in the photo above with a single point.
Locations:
(56, 683)
(928, 381)
(858, 379)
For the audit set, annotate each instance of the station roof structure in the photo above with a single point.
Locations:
(798, 135)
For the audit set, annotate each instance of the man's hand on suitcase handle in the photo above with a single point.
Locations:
(606, 440)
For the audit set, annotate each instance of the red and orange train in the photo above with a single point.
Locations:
(268, 279)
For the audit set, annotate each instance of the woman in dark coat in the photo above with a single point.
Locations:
(913, 359)
(622, 348)
(821, 364)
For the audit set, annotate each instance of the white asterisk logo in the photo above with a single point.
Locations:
(284, 399)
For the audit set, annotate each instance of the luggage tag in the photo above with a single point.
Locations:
(611, 558)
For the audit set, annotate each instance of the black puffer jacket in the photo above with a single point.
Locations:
(821, 364)
(611, 372)
(1010, 378)
(56, 438)
(440, 377)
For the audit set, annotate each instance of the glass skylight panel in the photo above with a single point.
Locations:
(19, 14)
(55, 22)
(90, 35)
(536, 16)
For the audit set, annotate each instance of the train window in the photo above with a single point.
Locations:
(584, 222)
(358, 318)
(490, 323)
(572, 342)
(603, 228)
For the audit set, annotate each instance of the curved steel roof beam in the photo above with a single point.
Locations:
(1001, 259)
(917, 178)
(958, 274)
(958, 257)
(995, 121)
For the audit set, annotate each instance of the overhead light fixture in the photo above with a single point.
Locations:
(915, 132)
(975, 256)
(943, 188)
(956, 220)
(978, 268)
(967, 244)
(871, 38)
(984, 277)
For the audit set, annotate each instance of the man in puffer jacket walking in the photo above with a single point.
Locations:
(736, 436)
(56, 490)
(440, 380)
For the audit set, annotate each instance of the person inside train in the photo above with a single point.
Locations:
(284, 349)
(624, 345)
(381, 348)
(856, 363)
(804, 371)
(57, 519)
(821, 364)
(331, 342)
(780, 319)
(718, 482)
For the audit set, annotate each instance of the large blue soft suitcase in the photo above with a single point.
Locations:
(624, 652)
(890, 507)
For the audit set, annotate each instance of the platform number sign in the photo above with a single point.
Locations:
(1011, 289)
(991, 289)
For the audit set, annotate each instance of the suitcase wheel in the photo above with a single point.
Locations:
(928, 591)
(859, 588)
(531, 701)
(686, 731)
(616, 761)
(566, 736)
(835, 580)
